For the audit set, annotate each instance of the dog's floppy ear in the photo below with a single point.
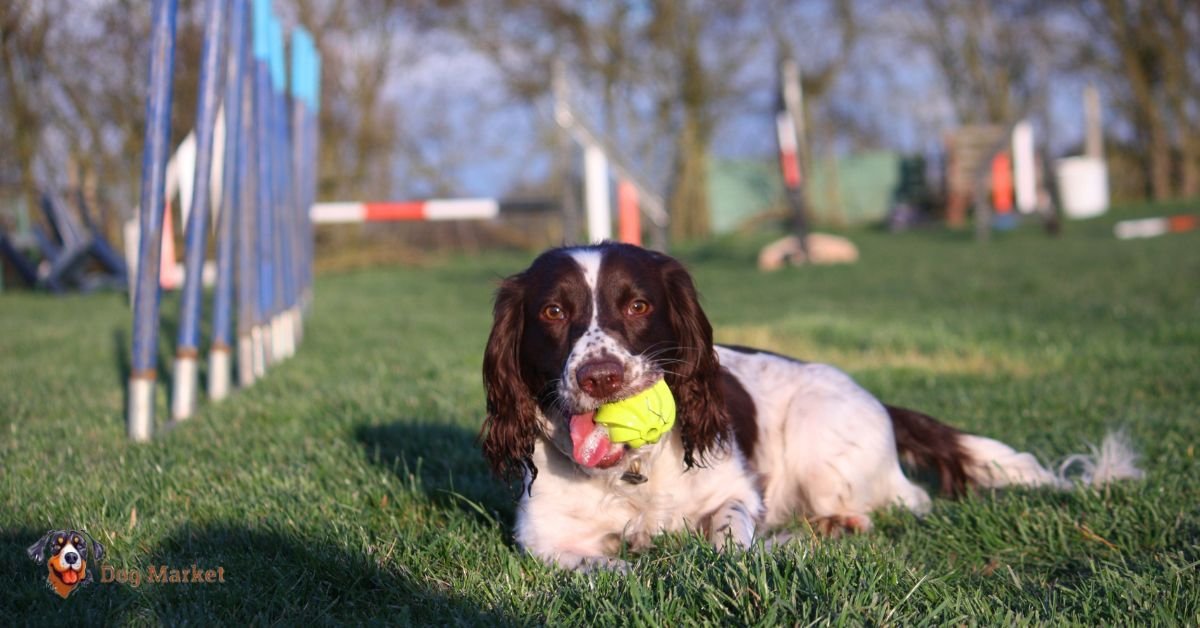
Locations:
(696, 377)
(509, 430)
(37, 551)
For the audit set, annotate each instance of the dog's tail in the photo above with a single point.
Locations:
(963, 460)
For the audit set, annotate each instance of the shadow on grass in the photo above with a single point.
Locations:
(443, 462)
(270, 576)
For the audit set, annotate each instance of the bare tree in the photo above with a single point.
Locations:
(24, 31)
(986, 55)
(1148, 56)
(665, 80)
(653, 77)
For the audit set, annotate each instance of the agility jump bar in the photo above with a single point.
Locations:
(429, 210)
(1154, 227)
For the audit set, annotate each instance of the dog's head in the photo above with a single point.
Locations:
(65, 553)
(586, 326)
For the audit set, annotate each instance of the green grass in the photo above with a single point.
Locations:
(346, 486)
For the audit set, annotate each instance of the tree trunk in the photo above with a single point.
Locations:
(1131, 38)
(25, 120)
(689, 195)
(1189, 166)
(1160, 161)
(690, 211)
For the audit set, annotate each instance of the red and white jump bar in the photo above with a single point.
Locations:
(1152, 227)
(435, 209)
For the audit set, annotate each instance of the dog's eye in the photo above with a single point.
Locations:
(76, 541)
(553, 312)
(637, 307)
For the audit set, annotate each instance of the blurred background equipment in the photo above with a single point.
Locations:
(801, 246)
(70, 254)
(462, 99)
(660, 123)
(1153, 227)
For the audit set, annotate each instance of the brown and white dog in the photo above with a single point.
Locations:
(759, 440)
(67, 564)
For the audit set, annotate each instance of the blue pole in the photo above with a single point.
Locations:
(316, 138)
(295, 250)
(277, 349)
(305, 71)
(265, 223)
(183, 399)
(301, 52)
(313, 89)
(283, 203)
(219, 361)
(143, 365)
(247, 239)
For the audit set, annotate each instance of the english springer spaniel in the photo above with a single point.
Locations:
(759, 439)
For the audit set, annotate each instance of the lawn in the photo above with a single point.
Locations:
(346, 487)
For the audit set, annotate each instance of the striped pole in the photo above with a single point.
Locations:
(301, 68)
(247, 237)
(596, 197)
(143, 365)
(287, 207)
(790, 135)
(403, 211)
(1154, 227)
(219, 356)
(1002, 190)
(314, 92)
(183, 398)
(629, 217)
(1024, 167)
(265, 224)
(279, 249)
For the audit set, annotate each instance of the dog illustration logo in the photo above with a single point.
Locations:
(68, 552)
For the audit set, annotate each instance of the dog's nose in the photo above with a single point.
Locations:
(600, 378)
(71, 558)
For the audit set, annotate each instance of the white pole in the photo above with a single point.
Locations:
(1024, 170)
(1094, 127)
(599, 210)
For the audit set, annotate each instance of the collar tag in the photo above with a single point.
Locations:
(634, 474)
(633, 477)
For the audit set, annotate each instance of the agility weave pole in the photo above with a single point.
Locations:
(183, 401)
(264, 235)
(140, 413)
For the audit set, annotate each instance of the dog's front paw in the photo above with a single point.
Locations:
(732, 527)
(590, 564)
(593, 564)
(779, 539)
(583, 563)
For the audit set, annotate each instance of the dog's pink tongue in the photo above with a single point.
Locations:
(592, 448)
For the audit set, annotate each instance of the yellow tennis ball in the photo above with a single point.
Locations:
(641, 419)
